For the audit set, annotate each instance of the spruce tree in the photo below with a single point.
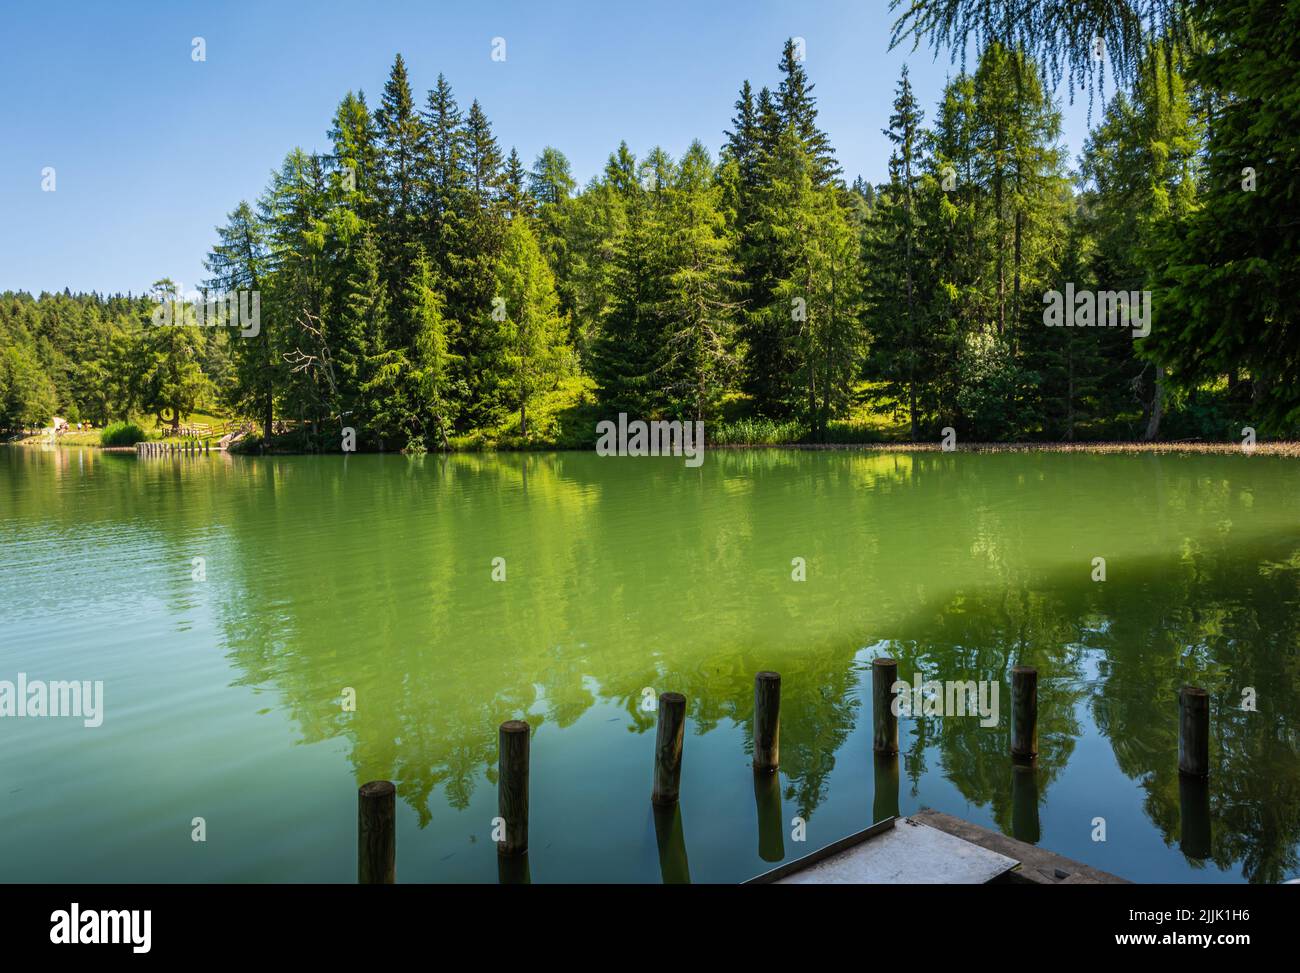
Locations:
(530, 333)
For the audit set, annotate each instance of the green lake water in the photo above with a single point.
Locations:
(624, 578)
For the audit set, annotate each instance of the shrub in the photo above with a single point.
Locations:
(121, 434)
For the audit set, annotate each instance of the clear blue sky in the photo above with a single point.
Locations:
(151, 149)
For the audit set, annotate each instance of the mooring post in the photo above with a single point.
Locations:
(884, 673)
(377, 833)
(1194, 731)
(767, 721)
(668, 748)
(512, 785)
(1024, 712)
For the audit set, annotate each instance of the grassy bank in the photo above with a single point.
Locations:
(566, 418)
(148, 425)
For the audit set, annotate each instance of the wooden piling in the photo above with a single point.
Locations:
(767, 721)
(377, 833)
(668, 748)
(513, 741)
(1024, 712)
(884, 673)
(1194, 731)
(514, 870)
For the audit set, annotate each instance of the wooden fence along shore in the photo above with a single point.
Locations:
(377, 805)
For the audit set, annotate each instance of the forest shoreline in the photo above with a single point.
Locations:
(1287, 448)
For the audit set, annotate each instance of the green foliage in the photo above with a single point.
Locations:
(121, 434)
(531, 337)
(996, 395)
(1229, 271)
(27, 395)
(421, 286)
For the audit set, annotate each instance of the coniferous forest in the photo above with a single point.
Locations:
(422, 284)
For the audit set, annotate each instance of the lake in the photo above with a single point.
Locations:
(224, 680)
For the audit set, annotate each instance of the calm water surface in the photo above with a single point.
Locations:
(223, 696)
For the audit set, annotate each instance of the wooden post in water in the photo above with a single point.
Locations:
(512, 785)
(767, 721)
(668, 748)
(1194, 731)
(1024, 712)
(377, 833)
(884, 721)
